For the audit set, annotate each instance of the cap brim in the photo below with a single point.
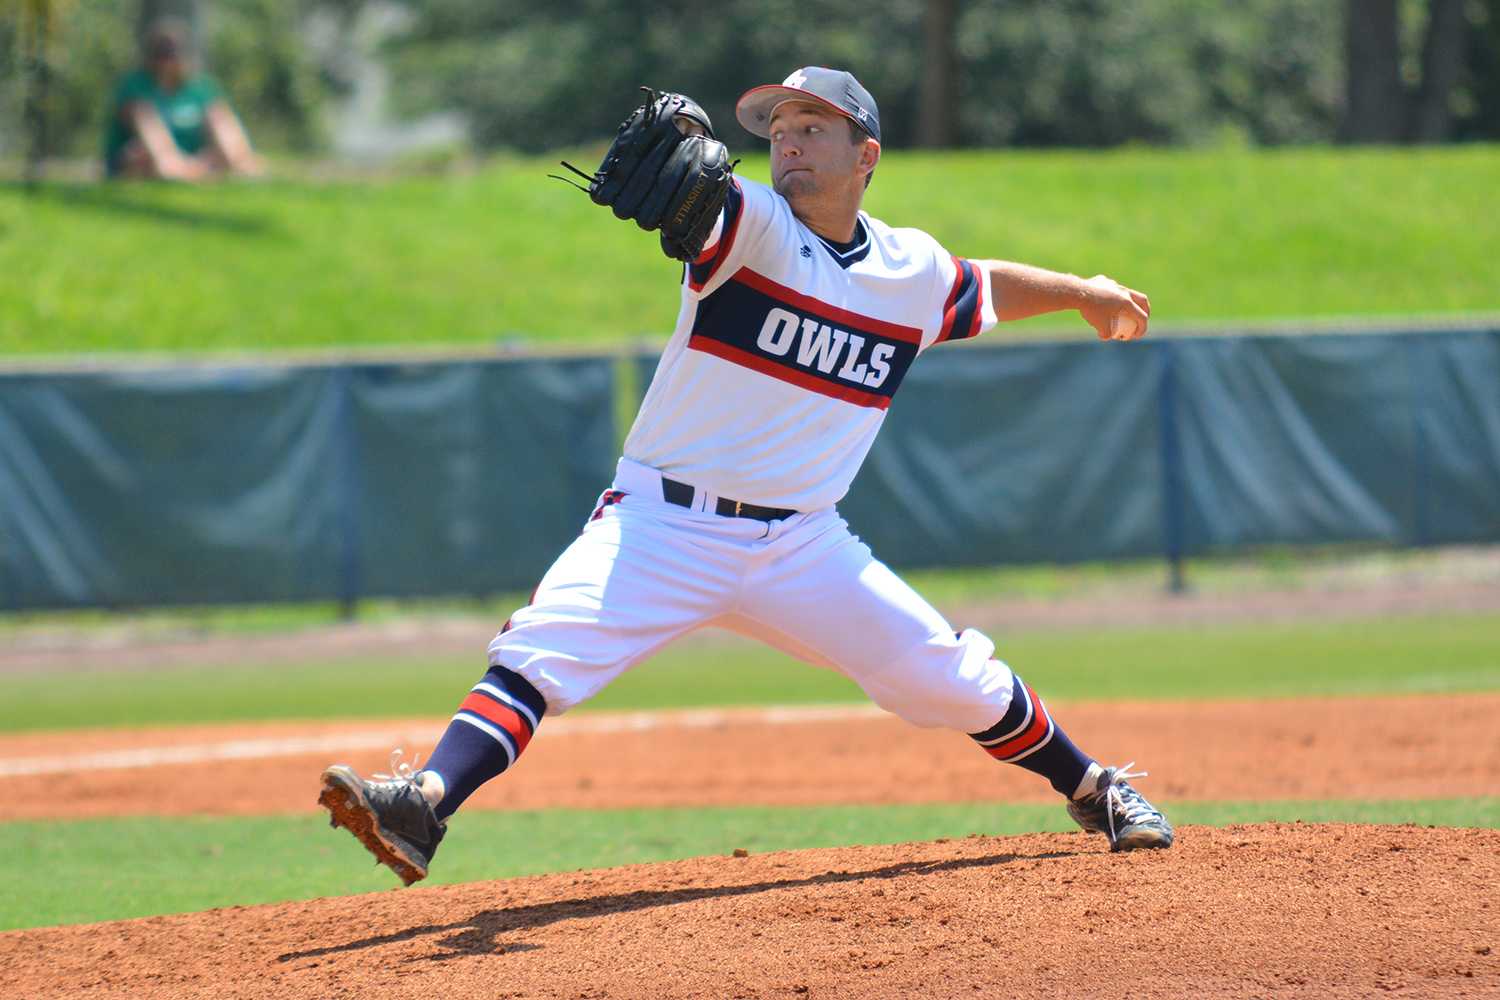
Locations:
(754, 108)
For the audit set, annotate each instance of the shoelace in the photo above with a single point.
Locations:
(1132, 806)
(401, 770)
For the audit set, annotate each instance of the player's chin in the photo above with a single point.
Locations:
(795, 184)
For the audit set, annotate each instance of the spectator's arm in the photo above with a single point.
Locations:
(166, 161)
(229, 138)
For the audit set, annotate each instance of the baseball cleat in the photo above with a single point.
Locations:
(1121, 813)
(389, 816)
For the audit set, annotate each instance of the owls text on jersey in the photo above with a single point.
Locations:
(788, 349)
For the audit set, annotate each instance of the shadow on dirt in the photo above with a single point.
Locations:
(480, 934)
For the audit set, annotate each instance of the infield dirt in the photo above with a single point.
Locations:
(1251, 911)
(1275, 910)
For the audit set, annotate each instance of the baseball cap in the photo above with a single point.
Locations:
(833, 87)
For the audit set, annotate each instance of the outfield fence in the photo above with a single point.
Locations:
(182, 485)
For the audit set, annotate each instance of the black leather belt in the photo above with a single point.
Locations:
(681, 494)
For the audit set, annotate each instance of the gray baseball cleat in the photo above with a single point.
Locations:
(1121, 813)
(389, 816)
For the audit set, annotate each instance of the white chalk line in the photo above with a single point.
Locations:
(602, 723)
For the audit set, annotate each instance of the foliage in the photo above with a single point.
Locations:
(90, 43)
(1477, 96)
(1089, 72)
(254, 48)
(1077, 73)
(542, 76)
(256, 51)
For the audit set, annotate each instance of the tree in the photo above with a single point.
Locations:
(937, 126)
(1382, 107)
(1442, 59)
(154, 10)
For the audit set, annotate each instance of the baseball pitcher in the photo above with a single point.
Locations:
(800, 316)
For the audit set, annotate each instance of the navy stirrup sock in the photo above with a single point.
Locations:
(1027, 736)
(492, 726)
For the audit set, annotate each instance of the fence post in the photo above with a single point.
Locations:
(346, 486)
(1171, 466)
(1417, 372)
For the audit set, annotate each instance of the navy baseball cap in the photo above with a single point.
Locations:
(816, 84)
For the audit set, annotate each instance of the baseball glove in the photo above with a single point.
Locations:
(667, 171)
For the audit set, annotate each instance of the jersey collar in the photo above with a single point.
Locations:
(856, 250)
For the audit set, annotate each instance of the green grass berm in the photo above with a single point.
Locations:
(1215, 236)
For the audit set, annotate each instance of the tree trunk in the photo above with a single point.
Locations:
(1375, 102)
(937, 124)
(1442, 60)
(36, 26)
(152, 11)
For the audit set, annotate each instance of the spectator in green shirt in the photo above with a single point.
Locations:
(169, 121)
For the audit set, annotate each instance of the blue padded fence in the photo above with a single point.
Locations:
(327, 482)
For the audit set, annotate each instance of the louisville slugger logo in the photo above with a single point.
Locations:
(689, 202)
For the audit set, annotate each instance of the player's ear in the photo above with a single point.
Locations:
(869, 156)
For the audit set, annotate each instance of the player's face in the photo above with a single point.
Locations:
(811, 154)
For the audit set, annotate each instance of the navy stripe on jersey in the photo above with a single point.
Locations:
(962, 312)
(758, 324)
(707, 265)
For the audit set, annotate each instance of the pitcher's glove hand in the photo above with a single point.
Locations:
(667, 171)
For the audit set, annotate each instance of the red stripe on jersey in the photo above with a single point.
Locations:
(801, 379)
(720, 250)
(864, 324)
(503, 716)
(1032, 737)
(958, 279)
(950, 307)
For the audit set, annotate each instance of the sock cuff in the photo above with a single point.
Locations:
(510, 688)
(1025, 727)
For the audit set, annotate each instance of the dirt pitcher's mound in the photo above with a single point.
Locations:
(1250, 911)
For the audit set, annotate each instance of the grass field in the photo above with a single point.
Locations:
(1213, 235)
(142, 866)
(1287, 660)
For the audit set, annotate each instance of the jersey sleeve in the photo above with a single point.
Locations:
(967, 308)
(746, 213)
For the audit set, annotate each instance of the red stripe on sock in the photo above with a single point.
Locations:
(1034, 734)
(501, 715)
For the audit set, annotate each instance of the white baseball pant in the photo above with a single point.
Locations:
(644, 572)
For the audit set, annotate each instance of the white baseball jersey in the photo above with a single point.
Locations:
(788, 349)
(786, 355)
